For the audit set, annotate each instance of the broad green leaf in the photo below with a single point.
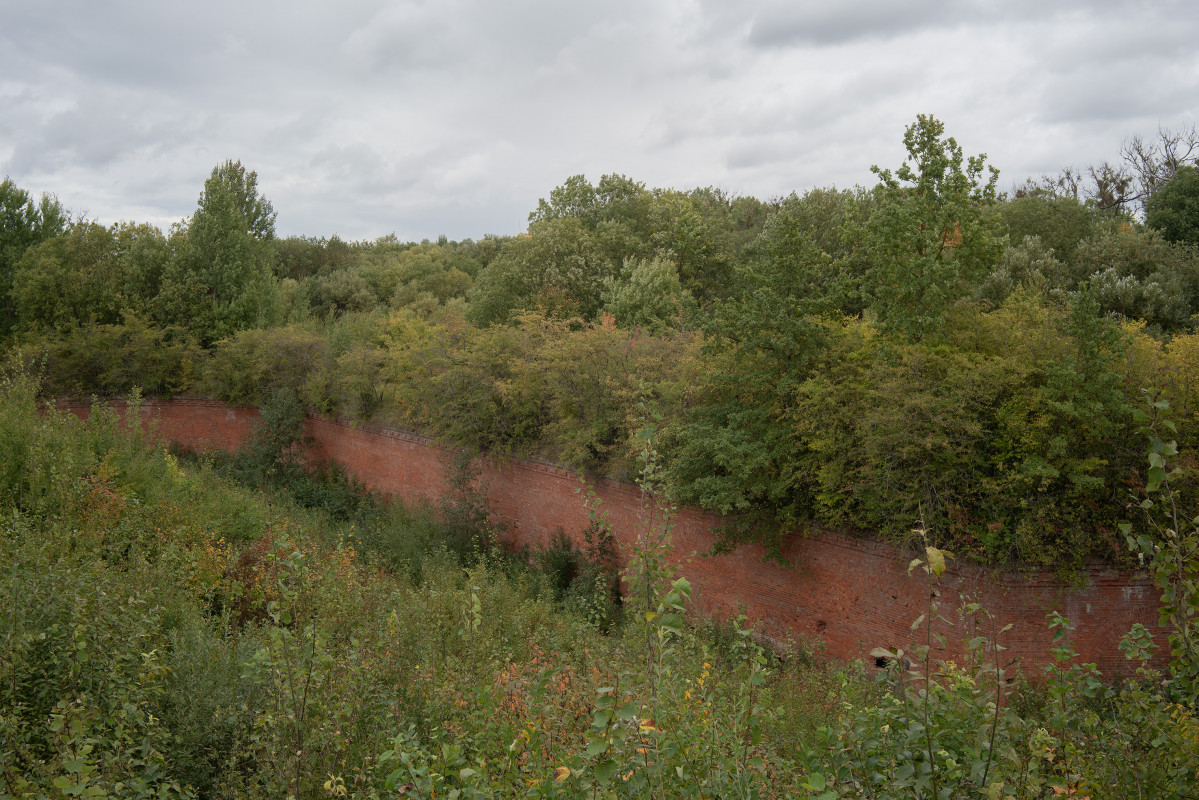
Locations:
(605, 770)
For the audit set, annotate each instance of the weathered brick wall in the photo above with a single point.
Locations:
(852, 593)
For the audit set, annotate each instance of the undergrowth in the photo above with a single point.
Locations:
(166, 631)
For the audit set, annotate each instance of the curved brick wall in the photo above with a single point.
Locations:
(852, 593)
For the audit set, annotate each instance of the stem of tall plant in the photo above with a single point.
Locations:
(998, 698)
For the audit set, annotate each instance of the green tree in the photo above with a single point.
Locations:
(928, 239)
(221, 280)
(615, 198)
(425, 270)
(705, 230)
(737, 452)
(646, 294)
(89, 274)
(1060, 222)
(23, 224)
(803, 252)
(1133, 271)
(558, 269)
(1174, 208)
(143, 253)
(1029, 265)
(72, 278)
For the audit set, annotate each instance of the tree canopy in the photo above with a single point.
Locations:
(23, 224)
(925, 348)
(221, 279)
(928, 237)
(1174, 208)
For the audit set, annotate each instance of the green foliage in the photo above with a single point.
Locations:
(646, 294)
(942, 731)
(704, 232)
(1138, 274)
(889, 436)
(1170, 548)
(735, 453)
(659, 723)
(113, 360)
(948, 730)
(1060, 223)
(928, 239)
(23, 224)
(558, 269)
(1085, 399)
(221, 279)
(539, 386)
(144, 655)
(803, 253)
(1028, 266)
(945, 730)
(585, 580)
(275, 450)
(345, 291)
(82, 690)
(1006, 435)
(1174, 208)
(1132, 271)
(300, 257)
(615, 199)
(69, 279)
(1004, 422)
(253, 365)
(89, 274)
(464, 509)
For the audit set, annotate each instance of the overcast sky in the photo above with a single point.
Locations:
(366, 117)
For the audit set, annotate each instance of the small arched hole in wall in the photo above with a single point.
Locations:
(885, 662)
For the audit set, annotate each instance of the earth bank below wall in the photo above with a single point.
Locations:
(853, 594)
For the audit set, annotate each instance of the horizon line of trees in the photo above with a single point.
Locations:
(927, 347)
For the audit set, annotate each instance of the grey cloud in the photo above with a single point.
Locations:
(360, 168)
(784, 23)
(97, 131)
(368, 116)
(407, 35)
(781, 23)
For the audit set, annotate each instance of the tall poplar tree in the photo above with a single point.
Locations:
(220, 280)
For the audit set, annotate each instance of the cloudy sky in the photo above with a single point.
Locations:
(367, 117)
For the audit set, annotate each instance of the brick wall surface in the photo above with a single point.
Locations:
(852, 593)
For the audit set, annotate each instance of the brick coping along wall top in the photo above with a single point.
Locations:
(852, 593)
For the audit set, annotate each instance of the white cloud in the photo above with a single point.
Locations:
(454, 116)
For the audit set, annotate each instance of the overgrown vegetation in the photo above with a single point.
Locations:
(841, 358)
(166, 633)
(925, 349)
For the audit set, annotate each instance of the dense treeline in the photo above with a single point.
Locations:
(925, 350)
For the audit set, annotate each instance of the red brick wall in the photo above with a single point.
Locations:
(852, 593)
